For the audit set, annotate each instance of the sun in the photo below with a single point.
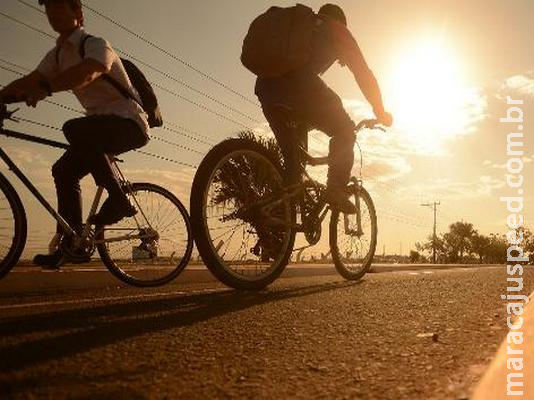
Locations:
(428, 96)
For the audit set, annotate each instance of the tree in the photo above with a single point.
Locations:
(480, 245)
(497, 250)
(528, 244)
(427, 248)
(415, 257)
(458, 240)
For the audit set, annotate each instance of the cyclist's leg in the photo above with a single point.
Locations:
(67, 173)
(324, 110)
(92, 138)
(288, 142)
(273, 93)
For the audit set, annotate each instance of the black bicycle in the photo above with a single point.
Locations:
(150, 249)
(246, 218)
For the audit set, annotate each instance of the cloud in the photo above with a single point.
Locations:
(423, 127)
(521, 84)
(504, 166)
(178, 180)
(482, 187)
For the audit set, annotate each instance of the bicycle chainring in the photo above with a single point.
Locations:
(78, 254)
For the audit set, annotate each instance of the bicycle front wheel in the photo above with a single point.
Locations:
(13, 227)
(353, 237)
(235, 228)
(153, 247)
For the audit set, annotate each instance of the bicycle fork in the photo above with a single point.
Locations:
(358, 232)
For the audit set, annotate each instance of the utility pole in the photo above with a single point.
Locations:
(433, 206)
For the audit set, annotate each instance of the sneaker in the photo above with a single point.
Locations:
(339, 200)
(50, 262)
(113, 210)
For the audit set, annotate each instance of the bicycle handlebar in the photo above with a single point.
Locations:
(369, 124)
(4, 113)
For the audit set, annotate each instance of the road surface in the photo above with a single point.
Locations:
(394, 335)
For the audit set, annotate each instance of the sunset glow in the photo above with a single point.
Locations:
(428, 95)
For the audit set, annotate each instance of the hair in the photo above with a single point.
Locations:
(75, 5)
(333, 11)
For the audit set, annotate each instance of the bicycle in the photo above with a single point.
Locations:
(245, 215)
(146, 250)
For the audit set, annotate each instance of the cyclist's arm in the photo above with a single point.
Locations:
(98, 60)
(350, 54)
(19, 88)
(78, 76)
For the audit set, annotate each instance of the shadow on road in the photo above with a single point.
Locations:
(100, 326)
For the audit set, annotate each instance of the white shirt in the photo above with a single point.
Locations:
(99, 97)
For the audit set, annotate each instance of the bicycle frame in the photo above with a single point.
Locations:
(35, 192)
(319, 209)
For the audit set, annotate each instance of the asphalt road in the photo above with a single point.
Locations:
(397, 335)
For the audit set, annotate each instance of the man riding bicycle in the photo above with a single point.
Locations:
(114, 123)
(319, 107)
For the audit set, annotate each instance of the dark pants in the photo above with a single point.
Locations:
(91, 139)
(318, 107)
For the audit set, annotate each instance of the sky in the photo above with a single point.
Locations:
(445, 69)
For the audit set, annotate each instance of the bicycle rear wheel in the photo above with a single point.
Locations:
(13, 227)
(153, 247)
(353, 244)
(235, 240)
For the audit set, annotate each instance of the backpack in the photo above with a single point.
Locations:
(149, 101)
(279, 41)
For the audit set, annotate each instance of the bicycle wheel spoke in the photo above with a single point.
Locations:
(239, 182)
(163, 242)
(355, 244)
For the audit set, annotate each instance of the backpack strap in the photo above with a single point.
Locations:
(120, 88)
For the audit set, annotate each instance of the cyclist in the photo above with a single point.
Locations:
(114, 124)
(319, 106)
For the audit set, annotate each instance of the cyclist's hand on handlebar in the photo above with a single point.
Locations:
(385, 119)
(13, 96)
(35, 95)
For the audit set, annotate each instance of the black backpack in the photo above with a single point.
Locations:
(279, 41)
(149, 101)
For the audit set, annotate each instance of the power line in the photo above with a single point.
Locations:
(191, 137)
(169, 54)
(159, 139)
(27, 25)
(179, 96)
(205, 108)
(186, 85)
(182, 128)
(30, 121)
(145, 153)
(15, 65)
(156, 156)
(11, 70)
(166, 128)
(434, 207)
(163, 73)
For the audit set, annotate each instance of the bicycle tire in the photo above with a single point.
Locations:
(252, 154)
(12, 207)
(353, 264)
(151, 262)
